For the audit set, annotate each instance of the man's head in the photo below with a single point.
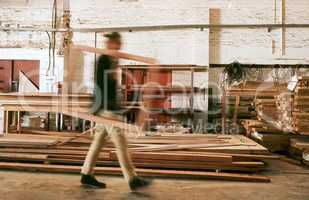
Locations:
(113, 41)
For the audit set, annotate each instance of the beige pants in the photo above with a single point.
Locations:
(118, 137)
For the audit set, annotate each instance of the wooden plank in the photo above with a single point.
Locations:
(178, 157)
(141, 172)
(22, 157)
(234, 155)
(115, 53)
(15, 140)
(183, 147)
(151, 164)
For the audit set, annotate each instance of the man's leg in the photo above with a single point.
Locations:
(125, 160)
(100, 138)
(123, 155)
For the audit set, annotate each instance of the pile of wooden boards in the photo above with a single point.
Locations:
(274, 139)
(274, 122)
(240, 105)
(267, 134)
(284, 103)
(222, 157)
(256, 89)
(22, 140)
(252, 99)
(300, 107)
(299, 149)
(266, 109)
(281, 119)
(294, 108)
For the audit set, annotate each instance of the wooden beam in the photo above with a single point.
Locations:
(141, 172)
(178, 157)
(283, 30)
(115, 53)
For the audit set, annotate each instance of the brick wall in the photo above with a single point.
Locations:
(179, 47)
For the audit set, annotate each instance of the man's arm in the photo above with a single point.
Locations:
(116, 54)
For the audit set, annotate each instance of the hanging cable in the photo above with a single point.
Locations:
(54, 34)
(49, 52)
(52, 48)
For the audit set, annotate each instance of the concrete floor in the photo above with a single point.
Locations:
(43, 186)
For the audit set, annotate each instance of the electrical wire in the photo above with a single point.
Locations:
(54, 34)
(52, 39)
(49, 50)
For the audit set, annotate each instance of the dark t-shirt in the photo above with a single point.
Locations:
(105, 85)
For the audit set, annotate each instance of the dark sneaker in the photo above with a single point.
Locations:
(138, 183)
(90, 181)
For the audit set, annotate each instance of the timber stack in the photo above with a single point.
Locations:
(301, 107)
(247, 92)
(284, 103)
(264, 128)
(267, 134)
(299, 149)
(266, 110)
(282, 119)
(294, 108)
(222, 157)
(254, 100)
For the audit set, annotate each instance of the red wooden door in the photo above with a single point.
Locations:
(31, 69)
(5, 75)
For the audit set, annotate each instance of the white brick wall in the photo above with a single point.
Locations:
(247, 45)
(178, 47)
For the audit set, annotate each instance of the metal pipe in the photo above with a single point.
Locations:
(283, 13)
(159, 27)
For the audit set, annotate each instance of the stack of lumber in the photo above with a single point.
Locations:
(241, 97)
(270, 136)
(294, 108)
(281, 118)
(266, 109)
(184, 156)
(243, 108)
(267, 135)
(299, 149)
(284, 103)
(12, 140)
(273, 141)
(300, 109)
(253, 126)
(256, 89)
(269, 129)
